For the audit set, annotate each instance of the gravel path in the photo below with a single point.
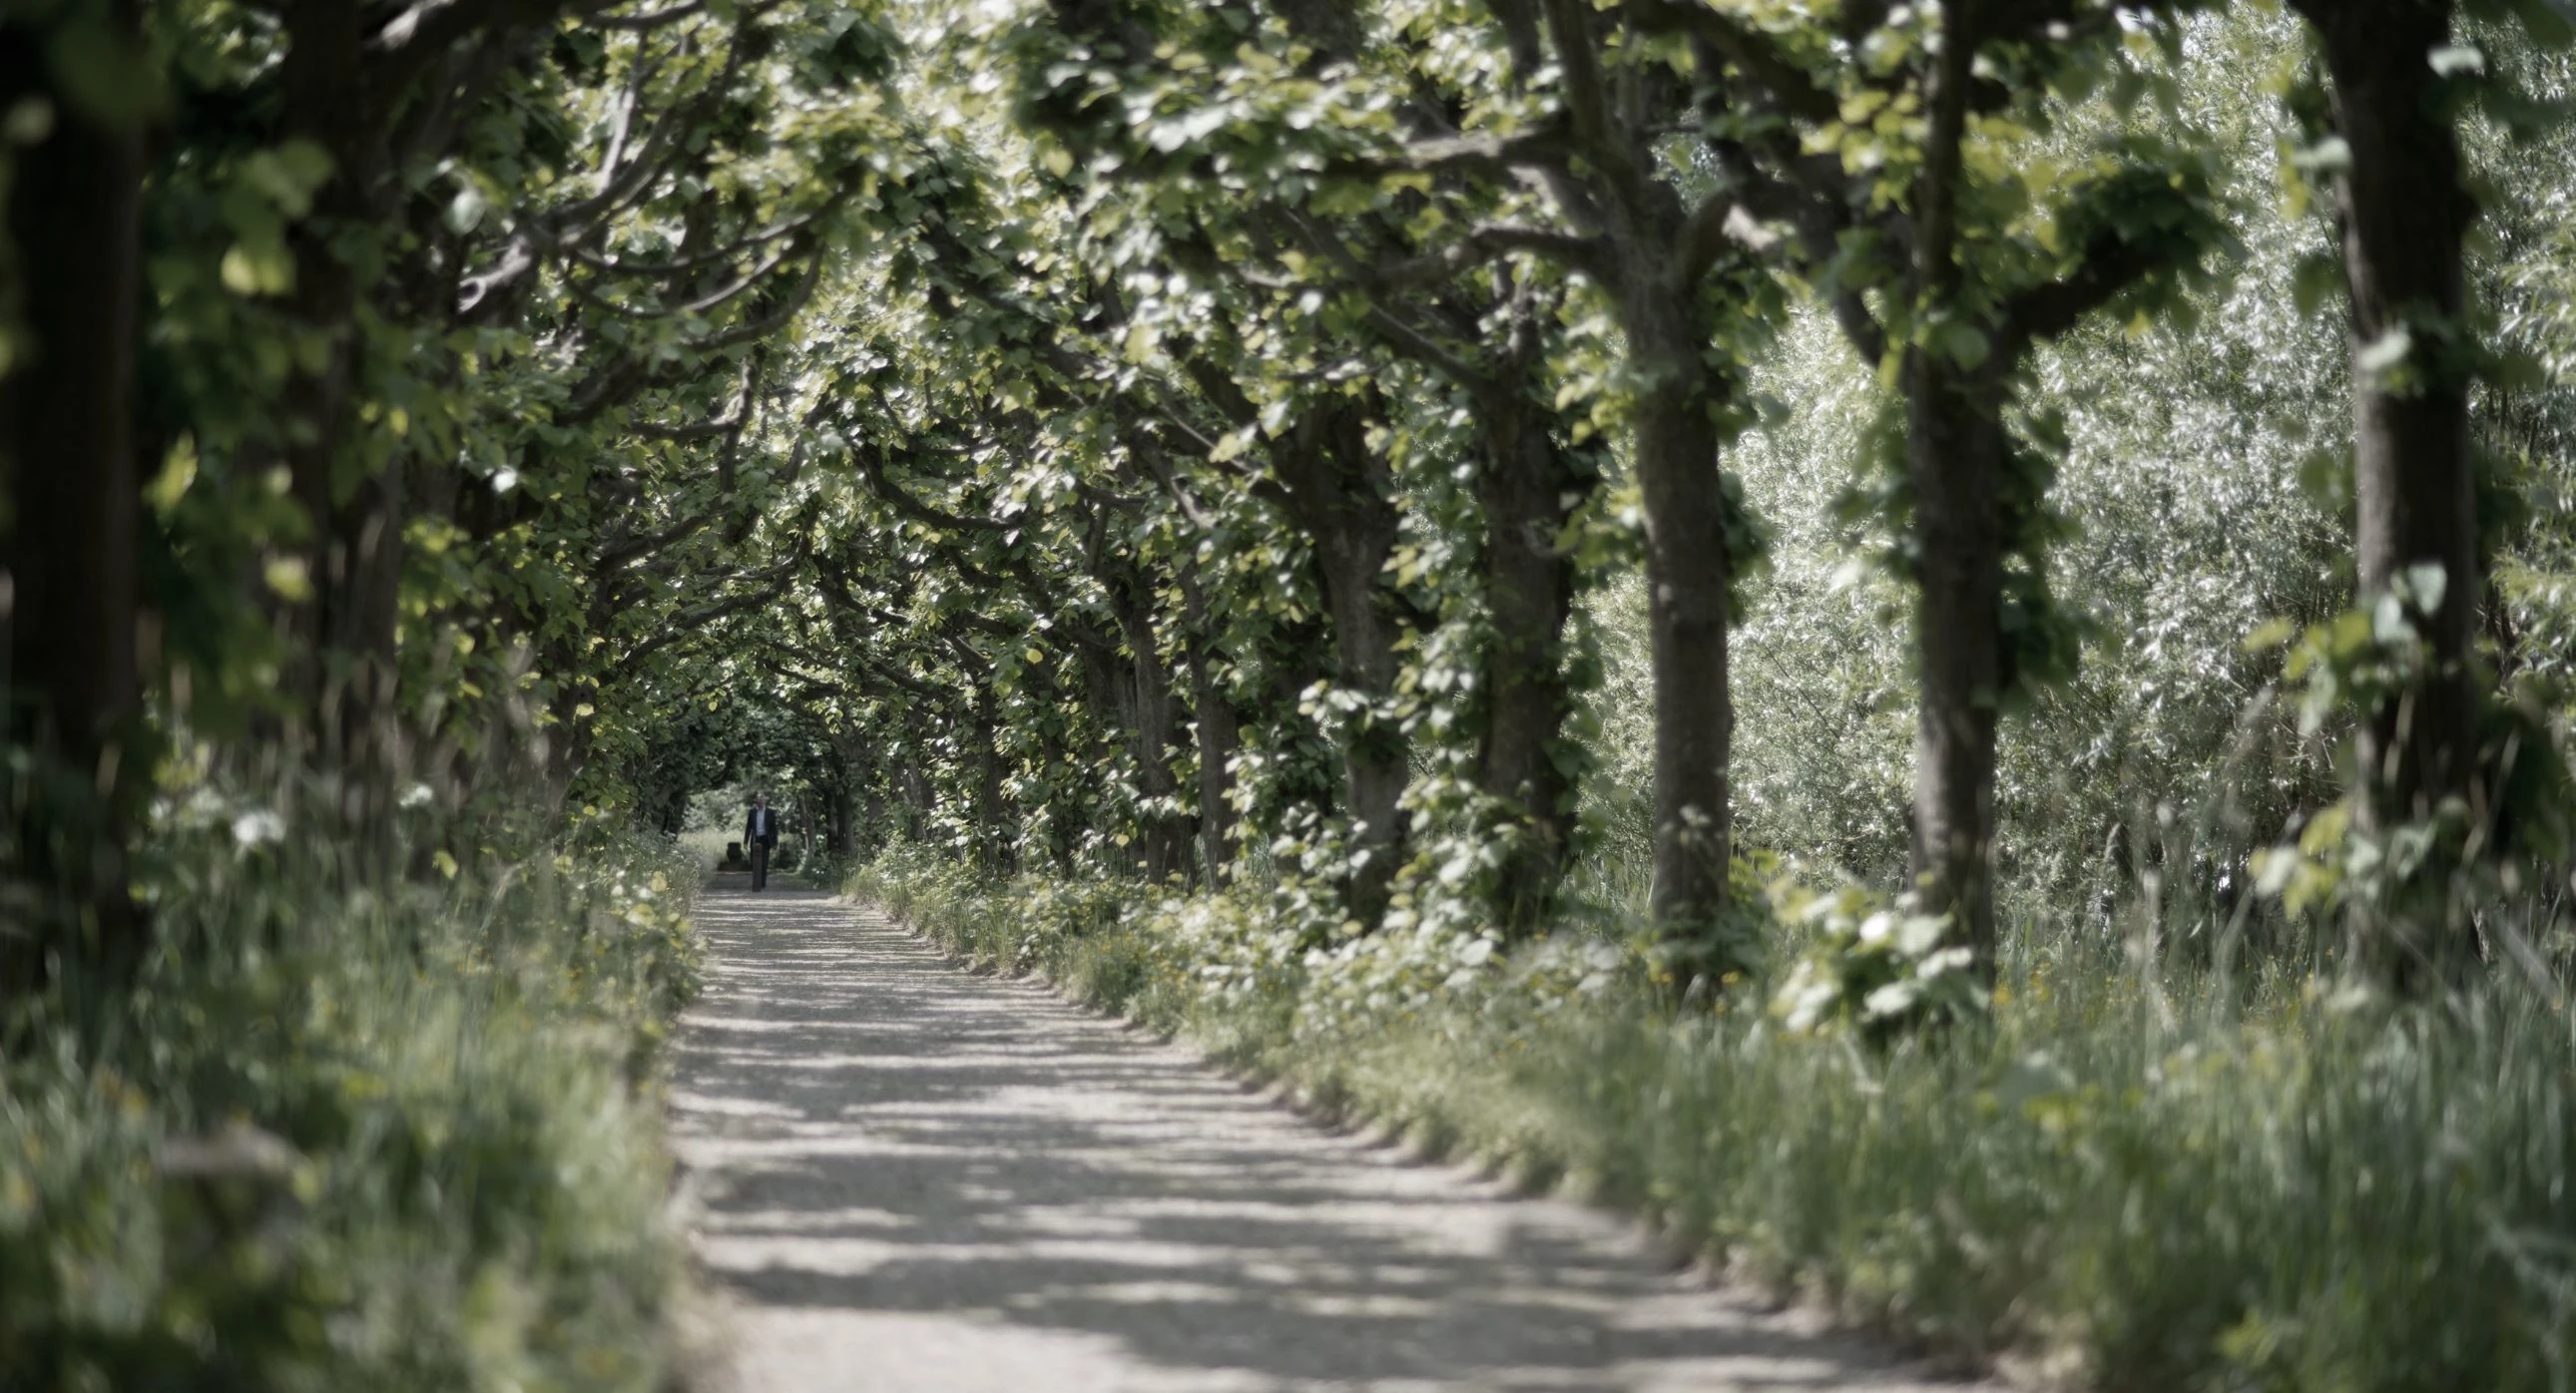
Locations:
(909, 1178)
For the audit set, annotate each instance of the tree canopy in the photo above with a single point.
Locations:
(1933, 640)
(1441, 461)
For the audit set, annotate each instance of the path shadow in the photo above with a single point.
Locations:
(872, 1131)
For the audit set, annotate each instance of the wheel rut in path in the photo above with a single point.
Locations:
(906, 1177)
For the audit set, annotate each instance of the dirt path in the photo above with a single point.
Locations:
(914, 1179)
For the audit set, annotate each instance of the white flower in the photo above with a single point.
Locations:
(1922, 934)
(258, 827)
(1889, 1000)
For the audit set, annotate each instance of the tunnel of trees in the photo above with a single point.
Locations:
(2062, 471)
(1193, 439)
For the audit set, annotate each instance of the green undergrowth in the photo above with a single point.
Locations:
(353, 1130)
(2112, 1180)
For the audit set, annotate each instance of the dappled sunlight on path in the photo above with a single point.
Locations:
(915, 1179)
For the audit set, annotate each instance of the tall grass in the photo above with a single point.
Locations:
(351, 1130)
(2124, 1180)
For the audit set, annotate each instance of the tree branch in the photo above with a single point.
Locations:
(1414, 343)
(1755, 54)
(2048, 310)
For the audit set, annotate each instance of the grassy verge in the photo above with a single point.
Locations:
(352, 1132)
(2113, 1183)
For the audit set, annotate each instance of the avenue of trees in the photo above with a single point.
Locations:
(1247, 441)
(1246, 437)
(1711, 479)
(1200, 438)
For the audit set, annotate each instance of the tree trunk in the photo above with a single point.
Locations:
(1059, 815)
(2406, 214)
(1953, 461)
(70, 594)
(353, 554)
(1529, 595)
(1954, 445)
(360, 592)
(1330, 479)
(843, 809)
(566, 740)
(1163, 830)
(995, 845)
(921, 804)
(1219, 735)
(1689, 570)
(1110, 695)
(840, 799)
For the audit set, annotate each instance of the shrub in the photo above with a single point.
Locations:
(349, 1130)
(2112, 1175)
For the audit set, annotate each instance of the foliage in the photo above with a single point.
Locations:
(1882, 970)
(2450, 864)
(2121, 1180)
(392, 1137)
(1149, 322)
(1367, 530)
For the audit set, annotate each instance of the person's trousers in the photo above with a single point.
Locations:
(760, 865)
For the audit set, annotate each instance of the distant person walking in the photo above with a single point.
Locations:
(760, 834)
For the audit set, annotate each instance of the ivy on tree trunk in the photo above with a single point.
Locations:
(2405, 212)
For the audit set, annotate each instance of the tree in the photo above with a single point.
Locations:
(2397, 76)
(1685, 299)
(70, 594)
(1948, 246)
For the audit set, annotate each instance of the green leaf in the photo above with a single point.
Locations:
(465, 211)
(251, 270)
(1962, 343)
(2270, 634)
(178, 471)
(2317, 278)
(105, 72)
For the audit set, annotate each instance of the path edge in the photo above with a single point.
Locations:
(1688, 1265)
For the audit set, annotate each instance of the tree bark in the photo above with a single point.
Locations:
(840, 798)
(920, 801)
(1953, 457)
(1641, 254)
(344, 94)
(1163, 832)
(325, 101)
(1528, 489)
(1529, 595)
(345, 671)
(996, 841)
(844, 808)
(1334, 492)
(71, 593)
(1299, 757)
(2406, 214)
(1219, 733)
(1689, 571)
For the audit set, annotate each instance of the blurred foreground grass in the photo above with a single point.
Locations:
(354, 1131)
(2120, 1181)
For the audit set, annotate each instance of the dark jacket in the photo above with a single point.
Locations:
(761, 826)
